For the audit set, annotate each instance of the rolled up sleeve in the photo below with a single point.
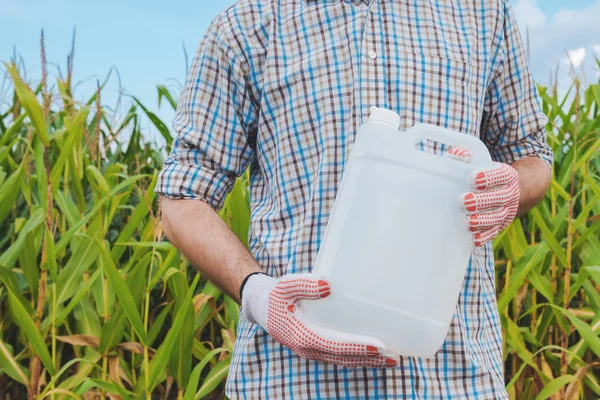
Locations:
(513, 124)
(214, 119)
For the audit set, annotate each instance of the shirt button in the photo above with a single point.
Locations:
(372, 55)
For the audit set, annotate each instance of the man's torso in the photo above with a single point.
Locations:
(316, 67)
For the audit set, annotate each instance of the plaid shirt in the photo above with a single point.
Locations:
(281, 86)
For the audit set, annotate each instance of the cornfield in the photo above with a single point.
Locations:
(95, 303)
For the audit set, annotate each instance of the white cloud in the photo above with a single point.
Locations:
(575, 57)
(528, 14)
(554, 39)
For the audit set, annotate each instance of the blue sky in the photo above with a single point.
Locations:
(550, 7)
(143, 39)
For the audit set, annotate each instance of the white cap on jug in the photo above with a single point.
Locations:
(386, 116)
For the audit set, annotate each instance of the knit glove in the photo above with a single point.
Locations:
(493, 201)
(274, 305)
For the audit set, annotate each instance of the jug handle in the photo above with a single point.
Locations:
(480, 155)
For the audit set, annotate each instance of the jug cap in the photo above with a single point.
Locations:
(385, 116)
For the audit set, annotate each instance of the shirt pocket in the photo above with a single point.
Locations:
(437, 90)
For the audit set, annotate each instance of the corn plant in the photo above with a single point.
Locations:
(548, 263)
(94, 302)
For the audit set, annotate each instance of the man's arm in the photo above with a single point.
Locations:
(200, 234)
(216, 125)
(513, 128)
(214, 121)
(534, 180)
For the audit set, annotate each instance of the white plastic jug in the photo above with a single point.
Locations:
(396, 247)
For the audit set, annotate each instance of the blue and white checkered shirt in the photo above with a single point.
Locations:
(281, 86)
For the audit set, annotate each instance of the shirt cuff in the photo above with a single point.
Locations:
(534, 145)
(194, 182)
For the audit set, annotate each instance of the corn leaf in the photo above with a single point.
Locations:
(33, 334)
(12, 130)
(8, 258)
(213, 379)
(50, 254)
(97, 180)
(164, 92)
(123, 293)
(160, 359)
(527, 263)
(113, 330)
(162, 128)
(10, 366)
(139, 214)
(9, 191)
(82, 291)
(30, 104)
(554, 386)
(192, 385)
(591, 338)
(180, 361)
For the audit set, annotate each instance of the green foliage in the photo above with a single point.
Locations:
(93, 300)
(547, 264)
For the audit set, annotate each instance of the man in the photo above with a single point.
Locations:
(281, 87)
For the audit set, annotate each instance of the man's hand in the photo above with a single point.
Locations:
(493, 202)
(274, 305)
(500, 194)
(202, 236)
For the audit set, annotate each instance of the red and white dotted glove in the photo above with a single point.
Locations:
(493, 201)
(273, 304)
